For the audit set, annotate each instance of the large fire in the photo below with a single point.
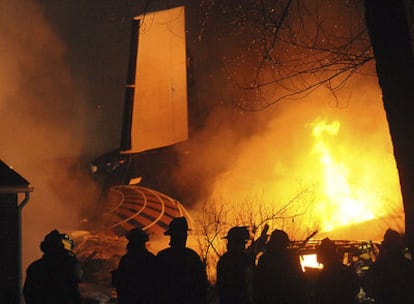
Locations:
(341, 203)
(318, 168)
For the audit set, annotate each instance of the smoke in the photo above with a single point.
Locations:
(268, 157)
(44, 117)
(51, 124)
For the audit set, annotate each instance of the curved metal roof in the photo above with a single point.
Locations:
(130, 206)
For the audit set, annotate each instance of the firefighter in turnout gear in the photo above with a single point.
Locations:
(391, 278)
(336, 283)
(278, 277)
(235, 269)
(182, 277)
(134, 279)
(53, 278)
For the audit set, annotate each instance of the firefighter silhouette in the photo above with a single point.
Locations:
(134, 279)
(391, 277)
(53, 278)
(235, 269)
(278, 276)
(336, 283)
(182, 277)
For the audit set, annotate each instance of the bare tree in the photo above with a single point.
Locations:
(217, 217)
(389, 32)
(288, 48)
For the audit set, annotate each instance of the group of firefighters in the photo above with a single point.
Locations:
(266, 271)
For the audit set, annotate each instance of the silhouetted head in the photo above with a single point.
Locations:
(237, 238)
(52, 242)
(178, 225)
(326, 252)
(137, 235)
(392, 242)
(177, 230)
(279, 240)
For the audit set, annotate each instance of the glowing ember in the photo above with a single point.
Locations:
(309, 261)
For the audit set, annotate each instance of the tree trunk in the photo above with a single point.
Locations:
(389, 33)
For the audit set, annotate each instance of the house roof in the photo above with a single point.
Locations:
(11, 181)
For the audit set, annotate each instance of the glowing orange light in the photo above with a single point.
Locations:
(340, 204)
(331, 175)
(309, 261)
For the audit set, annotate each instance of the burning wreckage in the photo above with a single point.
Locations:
(154, 119)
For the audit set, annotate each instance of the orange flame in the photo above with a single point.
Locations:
(341, 204)
(309, 261)
(332, 175)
